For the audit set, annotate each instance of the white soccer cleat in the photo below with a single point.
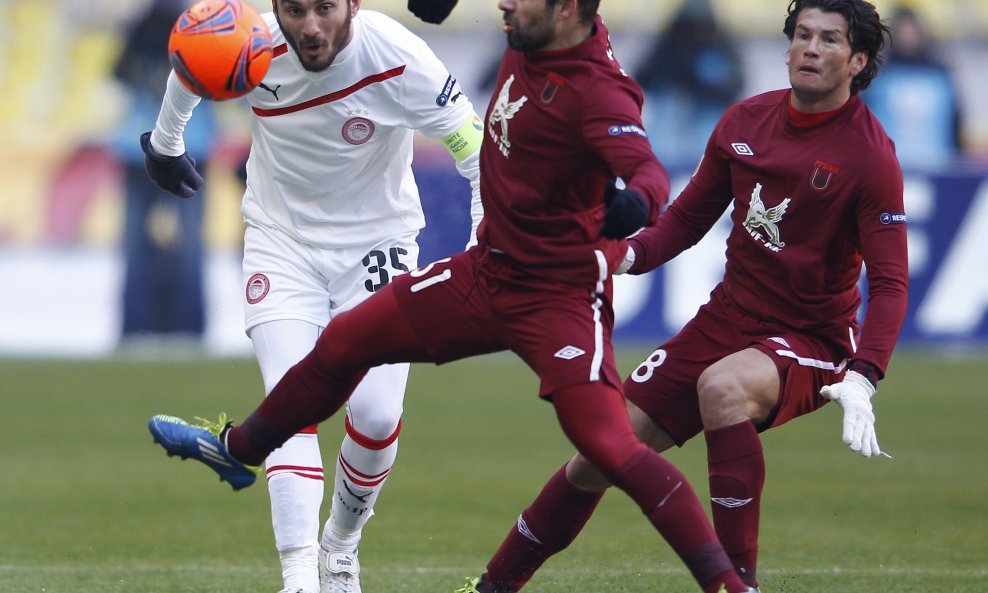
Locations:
(339, 572)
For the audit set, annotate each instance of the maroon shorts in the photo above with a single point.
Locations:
(477, 302)
(664, 384)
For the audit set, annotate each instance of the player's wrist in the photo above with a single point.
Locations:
(626, 262)
(866, 370)
(857, 379)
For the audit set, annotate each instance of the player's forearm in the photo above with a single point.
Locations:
(886, 312)
(176, 109)
(469, 168)
(651, 181)
(660, 243)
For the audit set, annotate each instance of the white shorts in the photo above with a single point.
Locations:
(285, 279)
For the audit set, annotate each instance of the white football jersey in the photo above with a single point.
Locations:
(331, 152)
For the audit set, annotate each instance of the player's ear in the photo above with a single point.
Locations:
(566, 8)
(858, 61)
(354, 7)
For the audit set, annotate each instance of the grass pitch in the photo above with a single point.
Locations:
(89, 505)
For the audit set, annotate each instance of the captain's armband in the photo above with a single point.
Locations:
(466, 140)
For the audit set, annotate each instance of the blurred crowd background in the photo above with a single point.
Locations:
(91, 256)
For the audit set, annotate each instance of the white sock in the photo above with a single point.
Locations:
(360, 476)
(295, 486)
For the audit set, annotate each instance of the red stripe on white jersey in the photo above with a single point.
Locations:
(279, 50)
(330, 97)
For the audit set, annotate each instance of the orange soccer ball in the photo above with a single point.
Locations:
(220, 49)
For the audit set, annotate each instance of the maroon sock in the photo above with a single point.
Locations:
(545, 528)
(737, 473)
(310, 392)
(671, 504)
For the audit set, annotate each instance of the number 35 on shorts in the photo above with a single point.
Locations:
(647, 367)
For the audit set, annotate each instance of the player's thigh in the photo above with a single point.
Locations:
(355, 274)
(805, 365)
(664, 385)
(447, 309)
(279, 345)
(281, 280)
(565, 336)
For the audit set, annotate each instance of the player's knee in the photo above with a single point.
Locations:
(374, 427)
(721, 397)
(585, 475)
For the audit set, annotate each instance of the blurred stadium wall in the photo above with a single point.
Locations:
(61, 194)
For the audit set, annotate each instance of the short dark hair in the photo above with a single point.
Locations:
(587, 9)
(865, 31)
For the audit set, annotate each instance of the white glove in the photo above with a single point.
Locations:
(853, 395)
(626, 263)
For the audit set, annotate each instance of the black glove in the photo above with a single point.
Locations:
(431, 11)
(625, 211)
(174, 174)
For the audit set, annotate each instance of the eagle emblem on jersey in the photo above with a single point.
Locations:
(766, 219)
(502, 111)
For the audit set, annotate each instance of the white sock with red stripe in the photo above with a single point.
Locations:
(361, 470)
(295, 486)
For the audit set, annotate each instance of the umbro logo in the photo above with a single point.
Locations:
(731, 503)
(779, 340)
(569, 352)
(742, 149)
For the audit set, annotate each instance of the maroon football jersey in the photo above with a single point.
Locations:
(560, 124)
(809, 203)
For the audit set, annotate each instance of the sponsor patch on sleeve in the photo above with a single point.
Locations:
(893, 218)
(627, 129)
(443, 98)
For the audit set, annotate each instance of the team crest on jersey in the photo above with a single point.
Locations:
(257, 288)
(763, 223)
(503, 110)
(823, 173)
(552, 86)
(358, 129)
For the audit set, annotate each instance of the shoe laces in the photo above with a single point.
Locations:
(470, 586)
(215, 428)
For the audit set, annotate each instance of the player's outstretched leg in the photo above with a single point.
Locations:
(203, 442)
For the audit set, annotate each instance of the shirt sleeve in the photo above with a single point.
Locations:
(613, 129)
(691, 215)
(882, 227)
(176, 110)
(436, 106)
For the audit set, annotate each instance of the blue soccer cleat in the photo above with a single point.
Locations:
(201, 442)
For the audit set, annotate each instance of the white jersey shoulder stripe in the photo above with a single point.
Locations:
(334, 96)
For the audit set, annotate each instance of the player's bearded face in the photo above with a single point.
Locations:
(316, 29)
(529, 25)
